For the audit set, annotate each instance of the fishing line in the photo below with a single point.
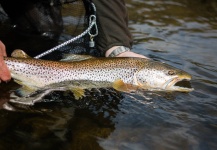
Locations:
(92, 23)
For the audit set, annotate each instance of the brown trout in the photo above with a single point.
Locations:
(78, 72)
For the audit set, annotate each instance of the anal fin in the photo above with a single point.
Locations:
(78, 93)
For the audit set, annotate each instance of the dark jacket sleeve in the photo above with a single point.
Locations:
(112, 19)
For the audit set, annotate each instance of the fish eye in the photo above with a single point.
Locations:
(171, 72)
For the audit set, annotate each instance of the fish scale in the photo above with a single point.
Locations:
(48, 72)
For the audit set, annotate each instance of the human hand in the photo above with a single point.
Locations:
(4, 71)
(125, 54)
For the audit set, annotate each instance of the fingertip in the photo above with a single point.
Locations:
(5, 74)
(5, 78)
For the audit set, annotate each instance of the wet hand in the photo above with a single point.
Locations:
(4, 71)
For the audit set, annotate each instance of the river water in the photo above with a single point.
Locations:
(182, 33)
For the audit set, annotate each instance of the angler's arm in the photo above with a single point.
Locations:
(4, 71)
(112, 17)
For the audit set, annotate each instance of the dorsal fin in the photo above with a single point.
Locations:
(18, 53)
(75, 57)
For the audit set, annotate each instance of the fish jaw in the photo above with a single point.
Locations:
(170, 85)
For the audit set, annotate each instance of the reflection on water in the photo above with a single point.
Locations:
(63, 124)
(180, 33)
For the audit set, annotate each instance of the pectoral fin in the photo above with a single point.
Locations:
(119, 85)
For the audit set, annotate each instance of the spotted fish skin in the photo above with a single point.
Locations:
(140, 72)
(39, 73)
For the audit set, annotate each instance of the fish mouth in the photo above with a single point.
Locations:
(181, 84)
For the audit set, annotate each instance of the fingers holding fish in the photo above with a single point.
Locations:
(4, 71)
